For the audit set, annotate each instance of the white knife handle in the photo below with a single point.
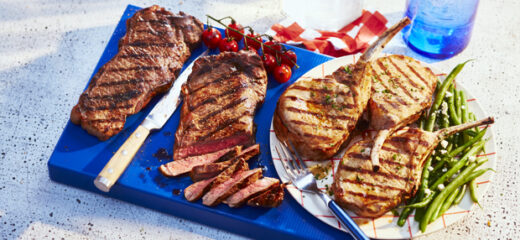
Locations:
(118, 163)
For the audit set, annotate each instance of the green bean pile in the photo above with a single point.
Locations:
(452, 168)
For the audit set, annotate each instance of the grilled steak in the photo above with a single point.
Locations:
(317, 115)
(222, 191)
(185, 165)
(220, 98)
(250, 191)
(371, 194)
(198, 189)
(402, 89)
(210, 170)
(270, 199)
(151, 55)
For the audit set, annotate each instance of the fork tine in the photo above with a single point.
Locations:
(302, 163)
(284, 158)
(292, 164)
(297, 160)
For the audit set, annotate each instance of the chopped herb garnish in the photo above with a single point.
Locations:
(386, 91)
(394, 156)
(313, 94)
(325, 87)
(358, 178)
(347, 69)
(328, 99)
(363, 150)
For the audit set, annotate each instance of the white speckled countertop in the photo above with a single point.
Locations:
(48, 50)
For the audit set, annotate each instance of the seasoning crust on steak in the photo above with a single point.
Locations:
(150, 57)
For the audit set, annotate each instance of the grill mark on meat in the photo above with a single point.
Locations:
(416, 73)
(214, 81)
(138, 68)
(295, 99)
(319, 90)
(316, 125)
(399, 99)
(368, 196)
(154, 21)
(384, 68)
(144, 56)
(324, 138)
(222, 126)
(238, 89)
(403, 73)
(118, 97)
(129, 81)
(107, 120)
(389, 162)
(153, 32)
(151, 44)
(396, 150)
(398, 139)
(111, 107)
(371, 172)
(346, 180)
(228, 106)
(319, 115)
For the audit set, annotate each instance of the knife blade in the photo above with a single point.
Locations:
(161, 112)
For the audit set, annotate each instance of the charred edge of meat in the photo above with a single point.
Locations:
(270, 198)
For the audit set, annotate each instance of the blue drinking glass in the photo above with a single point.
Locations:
(440, 28)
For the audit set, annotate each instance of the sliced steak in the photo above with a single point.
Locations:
(198, 189)
(185, 165)
(270, 199)
(402, 89)
(220, 98)
(318, 115)
(151, 55)
(222, 191)
(210, 170)
(371, 194)
(250, 191)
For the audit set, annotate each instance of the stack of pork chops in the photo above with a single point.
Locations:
(216, 133)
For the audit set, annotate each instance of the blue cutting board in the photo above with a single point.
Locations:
(78, 157)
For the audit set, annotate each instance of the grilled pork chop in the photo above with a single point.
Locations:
(317, 115)
(151, 55)
(402, 89)
(220, 98)
(222, 191)
(371, 194)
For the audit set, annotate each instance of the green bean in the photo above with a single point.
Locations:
(473, 191)
(458, 103)
(467, 144)
(481, 171)
(406, 212)
(447, 204)
(423, 203)
(462, 192)
(454, 118)
(473, 118)
(439, 199)
(439, 97)
(461, 163)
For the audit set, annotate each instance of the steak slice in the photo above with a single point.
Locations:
(213, 169)
(250, 191)
(318, 115)
(239, 180)
(402, 89)
(371, 194)
(270, 199)
(221, 96)
(178, 167)
(150, 57)
(198, 189)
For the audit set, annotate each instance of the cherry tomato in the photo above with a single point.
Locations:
(228, 44)
(269, 62)
(211, 37)
(249, 48)
(235, 35)
(282, 73)
(289, 58)
(252, 43)
(275, 47)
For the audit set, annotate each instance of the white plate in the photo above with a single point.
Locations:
(385, 226)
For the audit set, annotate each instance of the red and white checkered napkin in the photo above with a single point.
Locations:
(351, 39)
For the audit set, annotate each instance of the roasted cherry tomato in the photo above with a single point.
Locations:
(235, 35)
(252, 43)
(228, 44)
(275, 47)
(249, 48)
(282, 73)
(211, 37)
(269, 62)
(289, 58)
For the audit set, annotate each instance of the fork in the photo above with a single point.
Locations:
(302, 179)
